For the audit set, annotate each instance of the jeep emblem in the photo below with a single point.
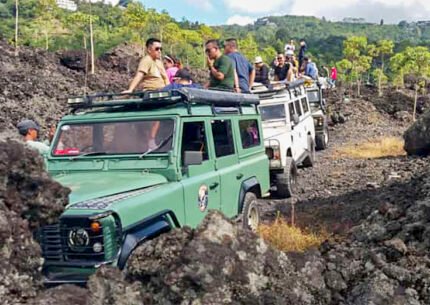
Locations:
(203, 198)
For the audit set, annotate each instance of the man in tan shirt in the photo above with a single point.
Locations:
(150, 73)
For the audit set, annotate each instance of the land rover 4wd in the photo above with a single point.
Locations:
(139, 166)
(288, 130)
(318, 103)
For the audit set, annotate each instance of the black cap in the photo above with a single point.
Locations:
(25, 125)
(183, 74)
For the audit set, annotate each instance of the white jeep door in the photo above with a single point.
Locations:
(297, 146)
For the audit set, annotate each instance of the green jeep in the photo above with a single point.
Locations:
(142, 165)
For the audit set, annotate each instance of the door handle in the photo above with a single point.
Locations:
(213, 185)
(239, 176)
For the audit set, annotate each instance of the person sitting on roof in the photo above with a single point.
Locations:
(282, 70)
(182, 79)
(261, 71)
(30, 131)
(150, 74)
(172, 65)
(310, 68)
(222, 74)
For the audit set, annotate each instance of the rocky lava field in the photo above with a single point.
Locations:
(376, 209)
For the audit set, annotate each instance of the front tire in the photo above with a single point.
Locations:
(286, 182)
(251, 212)
(310, 159)
(322, 140)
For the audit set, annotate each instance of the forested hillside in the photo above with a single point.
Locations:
(42, 24)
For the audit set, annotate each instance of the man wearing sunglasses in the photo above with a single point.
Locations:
(222, 74)
(150, 73)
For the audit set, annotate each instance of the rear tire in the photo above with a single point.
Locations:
(310, 159)
(321, 140)
(251, 212)
(286, 182)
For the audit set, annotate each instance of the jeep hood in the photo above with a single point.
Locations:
(86, 186)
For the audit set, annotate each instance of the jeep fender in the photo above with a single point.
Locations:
(145, 230)
(251, 183)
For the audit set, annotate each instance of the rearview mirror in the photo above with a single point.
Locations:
(193, 157)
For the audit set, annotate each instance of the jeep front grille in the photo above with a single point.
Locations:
(53, 240)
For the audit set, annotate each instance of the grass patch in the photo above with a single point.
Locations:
(288, 238)
(377, 148)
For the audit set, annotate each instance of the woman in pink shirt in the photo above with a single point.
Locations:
(171, 66)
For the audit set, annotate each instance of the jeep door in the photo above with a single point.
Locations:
(297, 134)
(201, 182)
(227, 164)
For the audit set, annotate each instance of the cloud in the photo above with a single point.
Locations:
(392, 11)
(240, 20)
(203, 4)
(257, 6)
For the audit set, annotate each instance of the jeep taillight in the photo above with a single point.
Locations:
(276, 154)
(273, 153)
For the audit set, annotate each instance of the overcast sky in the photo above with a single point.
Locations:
(245, 11)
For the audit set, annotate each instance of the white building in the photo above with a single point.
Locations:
(67, 5)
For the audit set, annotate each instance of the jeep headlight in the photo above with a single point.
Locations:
(78, 239)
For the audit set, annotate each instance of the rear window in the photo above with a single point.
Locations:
(313, 96)
(273, 112)
(249, 133)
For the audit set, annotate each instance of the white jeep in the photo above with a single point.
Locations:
(289, 133)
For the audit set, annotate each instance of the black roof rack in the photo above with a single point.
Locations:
(280, 86)
(157, 99)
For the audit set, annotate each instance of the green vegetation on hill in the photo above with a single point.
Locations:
(362, 52)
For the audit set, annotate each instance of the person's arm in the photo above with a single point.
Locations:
(217, 74)
(136, 80)
(251, 78)
(236, 82)
(290, 74)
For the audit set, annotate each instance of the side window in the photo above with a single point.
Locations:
(194, 138)
(305, 105)
(291, 111)
(223, 138)
(249, 133)
(298, 109)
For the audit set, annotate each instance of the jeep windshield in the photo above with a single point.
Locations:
(313, 96)
(114, 138)
(272, 112)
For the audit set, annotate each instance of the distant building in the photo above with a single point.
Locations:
(423, 23)
(354, 20)
(67, 5)
(264, 21)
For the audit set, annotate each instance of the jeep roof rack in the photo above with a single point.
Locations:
(158, 99)
(280, 86)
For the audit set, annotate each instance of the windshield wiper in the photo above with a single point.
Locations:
(93, 153)
(161, 144)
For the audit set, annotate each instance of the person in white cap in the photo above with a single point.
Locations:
(290, 46)
(261, 71)
(30, 131)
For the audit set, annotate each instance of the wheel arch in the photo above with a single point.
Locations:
(146, 229)
(249, 185)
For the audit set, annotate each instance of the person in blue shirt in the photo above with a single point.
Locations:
(244, 69)
(311, 69)
(182, 79)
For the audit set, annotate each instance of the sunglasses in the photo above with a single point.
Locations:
(158, 49)
(280, 58)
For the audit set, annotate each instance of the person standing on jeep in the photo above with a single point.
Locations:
(151, 74)
(222, 74)
(302, 51)
(245, 71)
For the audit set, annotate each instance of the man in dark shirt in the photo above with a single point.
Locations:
(261, 71)
(220, 67)
(282, 70)
(245, 71)
(302, 52)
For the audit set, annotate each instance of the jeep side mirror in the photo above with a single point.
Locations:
(193, 157)
(296, 119)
